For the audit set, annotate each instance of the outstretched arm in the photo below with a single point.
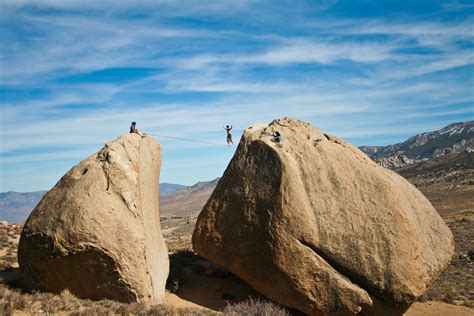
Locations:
(231, 127)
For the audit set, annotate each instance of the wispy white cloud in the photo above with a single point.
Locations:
(447, 62)
(186, 6)
(415, 29)
(299, 50)
(457, 5)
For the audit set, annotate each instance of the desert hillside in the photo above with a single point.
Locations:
(186, 201)
(447, 181)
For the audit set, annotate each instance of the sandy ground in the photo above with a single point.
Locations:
(214, 292)
(438, 309)
(175, 301)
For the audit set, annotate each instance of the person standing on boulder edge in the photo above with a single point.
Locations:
(229, 135)
(133, 129)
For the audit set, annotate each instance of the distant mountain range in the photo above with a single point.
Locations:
(187, 201)
(15, 206)
(167, 188)
(454, 138)
(181, 200)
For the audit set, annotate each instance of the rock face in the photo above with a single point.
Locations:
(97, 232)
(316, 225)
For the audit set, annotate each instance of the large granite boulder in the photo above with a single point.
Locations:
(97, 232)
(316, 225)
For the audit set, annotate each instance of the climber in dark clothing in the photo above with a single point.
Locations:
(133, 129)
(229, 134)
(276, 137)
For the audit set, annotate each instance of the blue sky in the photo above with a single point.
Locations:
(73, 74)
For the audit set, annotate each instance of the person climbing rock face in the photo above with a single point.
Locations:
(229, 135)
(276, 137)
(133, 129)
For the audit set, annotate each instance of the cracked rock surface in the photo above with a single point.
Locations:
(316, 225)
(97, 231)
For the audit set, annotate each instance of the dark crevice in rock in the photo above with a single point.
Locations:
(128, 154)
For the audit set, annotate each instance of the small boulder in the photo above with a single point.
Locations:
(316, 225)
(97, 231)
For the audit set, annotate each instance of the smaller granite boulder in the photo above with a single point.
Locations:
(97, 231)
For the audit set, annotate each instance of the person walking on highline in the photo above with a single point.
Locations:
(229, 134)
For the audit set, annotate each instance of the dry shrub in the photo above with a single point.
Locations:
(448, 297)
(12, 301)
(4, 240)
(160, 310)
(255, 307)
(16, 300)
(469, 303)
(10, 258)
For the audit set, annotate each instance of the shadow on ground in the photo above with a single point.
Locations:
(205, 283)
(12, 278)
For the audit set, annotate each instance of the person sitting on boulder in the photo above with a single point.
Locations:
(229, 135)
(133, 129)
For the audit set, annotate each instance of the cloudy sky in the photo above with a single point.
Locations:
(73, 74)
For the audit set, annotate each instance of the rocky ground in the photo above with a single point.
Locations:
(456, 284)
(448, 182)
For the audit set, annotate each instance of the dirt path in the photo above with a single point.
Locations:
(438, 309)
(178, 303)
